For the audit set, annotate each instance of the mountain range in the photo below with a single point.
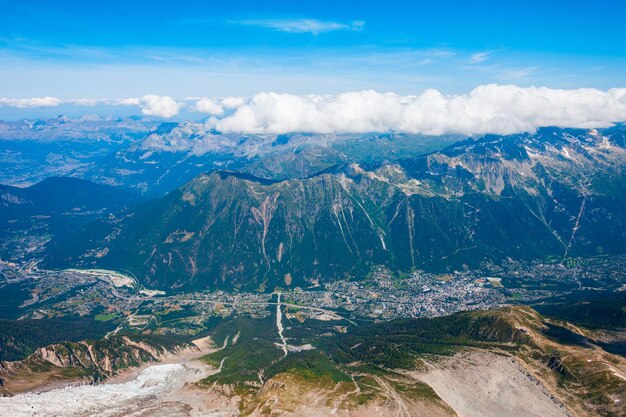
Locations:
(553, 193)
(319, 243)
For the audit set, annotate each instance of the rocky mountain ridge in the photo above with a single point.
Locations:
(89, 361)
(556, 193)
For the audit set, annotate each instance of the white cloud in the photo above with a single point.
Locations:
(84, 102)
(232, 102)
(209, 106)
(127, 102)
(516, 74)
(216, 106)
(479, 57)
(150, 105)
(501, 109)
(159, 106)
(313, 26)
(24, 103)
(492, 108)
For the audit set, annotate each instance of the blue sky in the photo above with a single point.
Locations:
(116, 49)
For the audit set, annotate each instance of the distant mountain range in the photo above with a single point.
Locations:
(554, 193)
(155, 158)
(33, 150)
(174, 153)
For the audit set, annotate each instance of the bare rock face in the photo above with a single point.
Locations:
(481, 384)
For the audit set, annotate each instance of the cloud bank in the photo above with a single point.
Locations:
(500, 109)
(25, 103)
(150, 105)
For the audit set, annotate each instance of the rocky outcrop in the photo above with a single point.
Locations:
(85, 361)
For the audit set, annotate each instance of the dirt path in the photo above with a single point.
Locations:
(279, 326)
(403, 409)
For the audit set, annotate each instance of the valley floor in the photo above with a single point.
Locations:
(509, 362)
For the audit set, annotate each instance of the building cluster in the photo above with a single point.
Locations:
(381, 295)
